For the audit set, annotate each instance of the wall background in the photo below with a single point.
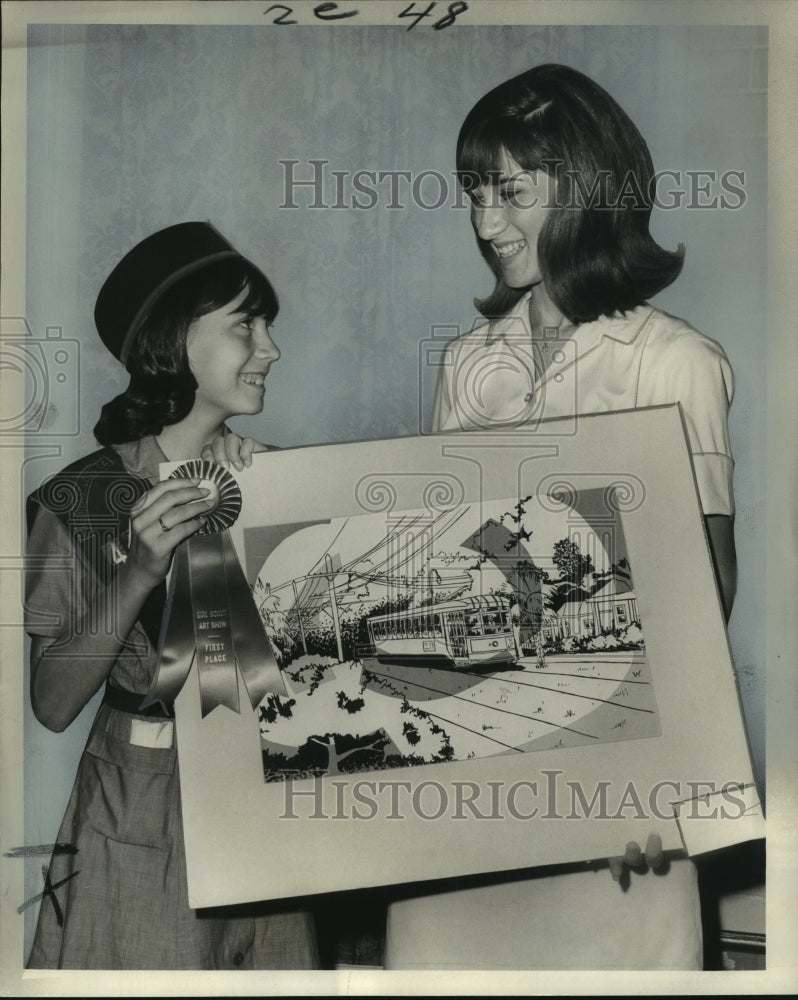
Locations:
(132, 128)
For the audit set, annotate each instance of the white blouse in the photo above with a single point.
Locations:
(489, 377)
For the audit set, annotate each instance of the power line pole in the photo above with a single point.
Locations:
(334, 605)
(299, 619)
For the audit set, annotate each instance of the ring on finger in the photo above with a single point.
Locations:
(163, 526)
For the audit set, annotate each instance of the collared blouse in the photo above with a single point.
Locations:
(492, 377)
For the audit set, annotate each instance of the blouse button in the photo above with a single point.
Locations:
(528, 398)
(238, 958)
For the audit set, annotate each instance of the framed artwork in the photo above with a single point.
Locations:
(486, 651)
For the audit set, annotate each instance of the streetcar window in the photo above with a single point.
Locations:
(491, 623)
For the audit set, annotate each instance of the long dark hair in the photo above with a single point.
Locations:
(596, 253)
(161, 390)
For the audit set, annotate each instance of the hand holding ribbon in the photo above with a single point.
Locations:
(210, 613)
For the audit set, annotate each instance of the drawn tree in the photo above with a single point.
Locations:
(275, 623)
(574, 567)
(620, 570)
(502, 542)
(528, 578)
(343, 726)
(568, 559)
(338, 752)
(519, 533)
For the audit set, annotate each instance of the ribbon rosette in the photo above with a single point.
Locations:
(210, 613)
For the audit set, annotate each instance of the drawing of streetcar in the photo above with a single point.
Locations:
(468, 632)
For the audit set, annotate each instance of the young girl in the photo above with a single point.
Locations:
(560, 182)
(189, 317)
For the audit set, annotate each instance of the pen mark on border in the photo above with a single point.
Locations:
(49, 890)
(37, 850)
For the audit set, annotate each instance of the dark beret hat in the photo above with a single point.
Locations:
(147, 271)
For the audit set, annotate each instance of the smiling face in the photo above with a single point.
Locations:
(229, 354)
(509, 215)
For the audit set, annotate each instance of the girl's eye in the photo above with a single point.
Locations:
(482, 201)
(494, 198)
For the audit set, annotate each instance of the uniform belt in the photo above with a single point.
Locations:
(129, 701)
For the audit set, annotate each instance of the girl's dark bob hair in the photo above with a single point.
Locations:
(596, 254)
(162, 387)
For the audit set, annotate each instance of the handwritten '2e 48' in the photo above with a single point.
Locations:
(283, 14)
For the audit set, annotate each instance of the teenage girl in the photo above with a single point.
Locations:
(560, 184)
(189, 317)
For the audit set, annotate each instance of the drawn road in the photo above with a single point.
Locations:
(574, 699)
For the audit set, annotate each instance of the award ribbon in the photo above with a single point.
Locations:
(210, 613)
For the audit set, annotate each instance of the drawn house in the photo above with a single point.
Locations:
(613, 607)
(575, 618)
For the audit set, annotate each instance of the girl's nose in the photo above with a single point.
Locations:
(488, 221)
(265, 347)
